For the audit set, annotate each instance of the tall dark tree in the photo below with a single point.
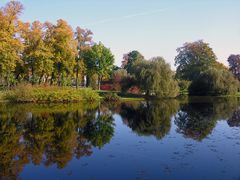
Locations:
(130, 58)
(234, 65)
(192, 59)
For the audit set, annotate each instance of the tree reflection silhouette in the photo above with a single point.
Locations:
(197, 118)
(54, 134)
(45, 136)
(100, 131)
(150, 118)
(234, 120)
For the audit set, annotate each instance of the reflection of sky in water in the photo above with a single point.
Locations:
(130, 156)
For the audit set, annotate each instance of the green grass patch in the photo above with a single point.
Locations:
(115, 95)
(28, 93)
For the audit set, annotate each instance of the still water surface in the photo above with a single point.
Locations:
(194, 138)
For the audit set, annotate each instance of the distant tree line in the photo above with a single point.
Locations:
(197, 72)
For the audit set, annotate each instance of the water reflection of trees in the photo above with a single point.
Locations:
(234, 120)
(150, 118)
(49, 135)
(54, 134)
(197, 118)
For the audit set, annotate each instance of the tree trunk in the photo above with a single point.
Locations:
(7, 80)
(59, 79)
(32, 75)
(88, 81)
(99, 82)
(46, 80)
(40, 79)
(77, 79)
(52, 77)
(147, 93)
(59, 74)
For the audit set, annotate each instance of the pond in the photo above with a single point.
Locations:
(188, 138)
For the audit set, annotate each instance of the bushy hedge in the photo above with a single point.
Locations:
(28, 93)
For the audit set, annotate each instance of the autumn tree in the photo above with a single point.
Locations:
(10, 44)
(37, 54)
(64, 50)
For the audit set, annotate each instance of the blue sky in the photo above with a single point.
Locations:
(153, 27)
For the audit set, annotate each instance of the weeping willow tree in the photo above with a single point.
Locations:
(155, 77)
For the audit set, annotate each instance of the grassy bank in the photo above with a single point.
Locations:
(122, 96)
(28, 93)
(46, 94)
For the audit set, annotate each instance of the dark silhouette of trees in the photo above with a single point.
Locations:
(234, 65)
(150, 118)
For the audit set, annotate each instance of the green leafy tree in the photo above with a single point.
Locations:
(84, 41)
(129, 59)
(214, 81)
(99, 60)
(192, 59)
(183, 85)
(156, 77)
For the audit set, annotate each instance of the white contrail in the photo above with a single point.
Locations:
(125, 17)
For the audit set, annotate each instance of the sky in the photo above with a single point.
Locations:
(153, 27)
